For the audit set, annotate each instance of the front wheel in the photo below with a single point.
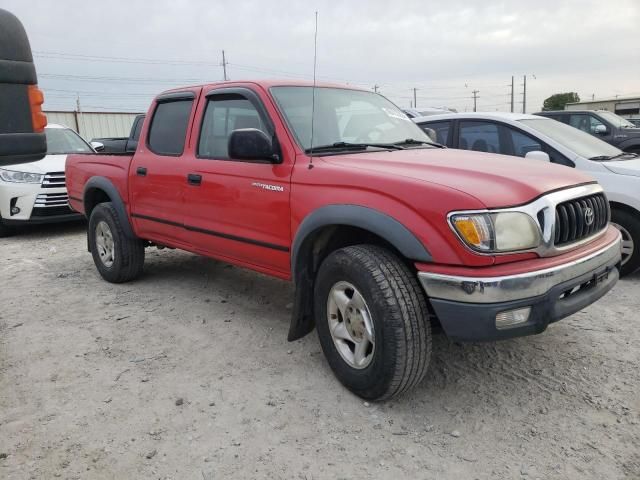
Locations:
(5, 231)
(372, 321)
(118, 257)
(629, 226)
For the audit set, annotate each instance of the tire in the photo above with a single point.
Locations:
(398, 358)
(629, 225)
(5, 231)
(126, 260)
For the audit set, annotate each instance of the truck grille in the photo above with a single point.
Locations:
(54, 180)
(580, 218)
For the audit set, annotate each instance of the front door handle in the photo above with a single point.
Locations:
(142, 171)
(194, 179)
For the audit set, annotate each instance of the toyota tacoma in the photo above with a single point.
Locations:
(386, 235)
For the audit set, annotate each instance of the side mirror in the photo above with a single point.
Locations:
(537, 155)
(251, 144)
(98, 146)
(600, 130)
(431, 133)
(132, 146)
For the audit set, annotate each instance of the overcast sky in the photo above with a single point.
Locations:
(446, 49)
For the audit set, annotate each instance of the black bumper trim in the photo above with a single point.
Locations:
(475, 322)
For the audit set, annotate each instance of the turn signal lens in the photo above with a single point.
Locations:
(38, 118)
(475, 230)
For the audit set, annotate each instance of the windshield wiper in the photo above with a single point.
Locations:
(352, 146)
(620, 155)
(411, 141)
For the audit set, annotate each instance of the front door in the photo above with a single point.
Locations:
(239, 210)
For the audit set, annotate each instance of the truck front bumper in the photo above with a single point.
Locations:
(493, 308)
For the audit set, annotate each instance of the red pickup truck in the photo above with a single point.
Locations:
(384, 233)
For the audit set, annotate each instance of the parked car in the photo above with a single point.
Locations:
(605, 125)
(635, 121)
(381, 232)
(120, 144)
(423, 112)
(36, 192)
(542, 138)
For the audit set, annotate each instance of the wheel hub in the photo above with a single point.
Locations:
(104, 244)
(351, 325)
(627, 243)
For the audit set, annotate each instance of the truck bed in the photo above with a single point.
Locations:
(81, 167)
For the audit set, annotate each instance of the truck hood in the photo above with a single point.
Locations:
(624, 167)
(50, 163)
(495, 180)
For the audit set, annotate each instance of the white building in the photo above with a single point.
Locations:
(94, 124)
(627, 107)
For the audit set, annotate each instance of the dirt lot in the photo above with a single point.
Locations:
(186, 374)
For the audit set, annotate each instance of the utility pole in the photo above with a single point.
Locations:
(475, 99)
(224, 66)
(375, 88)
(524, 95)
(415, 102)
(78, 113)
(512, 94)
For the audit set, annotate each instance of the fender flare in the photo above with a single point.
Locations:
(362, 217)
(374, 221)
(104, 184)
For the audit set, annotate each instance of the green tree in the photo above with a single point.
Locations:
(557, 101)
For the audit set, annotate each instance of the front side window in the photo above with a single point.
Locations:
(62, 140)
(344, 115)
(479, 136)
(593, 123)
(522, 144)
(224, 114)
(169, 127)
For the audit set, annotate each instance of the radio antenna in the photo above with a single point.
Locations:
(313, 90)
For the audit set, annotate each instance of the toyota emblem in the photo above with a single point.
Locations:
(588, 216)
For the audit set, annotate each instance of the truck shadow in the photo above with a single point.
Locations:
(34, 232)
(458, 373)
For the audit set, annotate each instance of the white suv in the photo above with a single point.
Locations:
(541, 138)
(36, 192)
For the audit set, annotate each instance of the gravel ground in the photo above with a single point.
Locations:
(187, 374)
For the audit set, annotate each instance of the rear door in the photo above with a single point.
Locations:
(238, 209)
(158, 173)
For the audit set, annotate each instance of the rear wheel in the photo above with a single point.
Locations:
(372, 321)
(629, 226)
(118, 257)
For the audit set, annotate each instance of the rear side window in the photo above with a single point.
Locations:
(441, 130)
(138, 129)
(169, 127)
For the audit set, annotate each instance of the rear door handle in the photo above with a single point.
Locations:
(194, 179)
(142, 171)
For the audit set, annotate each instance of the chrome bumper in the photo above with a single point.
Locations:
(520, 286)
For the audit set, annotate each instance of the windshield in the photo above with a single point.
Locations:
(616, 120)
(63, 140)
(583, 144)
(343, 115)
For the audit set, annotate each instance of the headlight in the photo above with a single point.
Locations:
(20, 177)
(497, 232)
